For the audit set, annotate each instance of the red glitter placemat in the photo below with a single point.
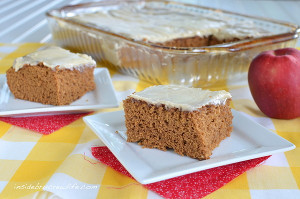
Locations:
(194, 185)
(43, 124)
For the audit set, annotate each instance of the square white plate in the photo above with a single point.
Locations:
(248, 140)
(102, 97)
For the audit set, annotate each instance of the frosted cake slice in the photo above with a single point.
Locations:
(191, 121)
(51, 76)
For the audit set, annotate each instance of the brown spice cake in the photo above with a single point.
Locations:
(164, 125)
(198, 41)
(47, 81)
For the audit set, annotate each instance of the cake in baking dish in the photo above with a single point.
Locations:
(191, 121)
(171, 26)
(51, 76)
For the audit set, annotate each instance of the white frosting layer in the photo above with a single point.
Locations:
(55, 56)
(156, 23)
(182, 97)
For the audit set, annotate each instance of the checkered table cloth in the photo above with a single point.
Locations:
(61, 164)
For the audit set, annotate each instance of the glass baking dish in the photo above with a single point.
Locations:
(192, 66)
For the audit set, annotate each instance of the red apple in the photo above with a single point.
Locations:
(274, 81)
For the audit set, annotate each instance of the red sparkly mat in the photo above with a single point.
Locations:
(194, 185)
(43, 124)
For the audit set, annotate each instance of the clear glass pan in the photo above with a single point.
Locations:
(196, 66)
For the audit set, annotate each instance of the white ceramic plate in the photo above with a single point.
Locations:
(102, 97)
(248, 140)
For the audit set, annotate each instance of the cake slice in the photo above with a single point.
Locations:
(191, 121)
(51, 76)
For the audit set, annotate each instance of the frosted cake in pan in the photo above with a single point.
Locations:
(170, 26)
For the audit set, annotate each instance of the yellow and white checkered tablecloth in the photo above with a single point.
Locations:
(60, 165)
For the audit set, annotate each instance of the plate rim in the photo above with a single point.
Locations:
(41, 111)
(154, 178)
